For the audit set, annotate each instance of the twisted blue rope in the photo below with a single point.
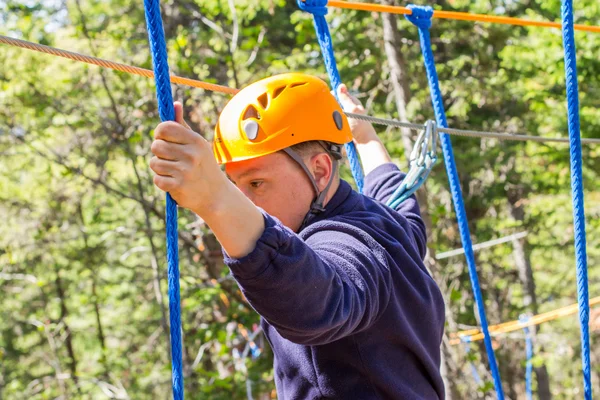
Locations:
(318, 8)
(421, 17)
(577, 190)
(158, 49)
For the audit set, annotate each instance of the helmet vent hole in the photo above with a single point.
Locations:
(263, 100)
(293, 85)
(251, 112)
(278, 91)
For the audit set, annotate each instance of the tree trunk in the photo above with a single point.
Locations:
(392, 43)
(64, 313)
(522, 260)
(523, 264)
(100, 332)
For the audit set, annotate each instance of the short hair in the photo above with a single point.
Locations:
(312, 147)
(308, 149)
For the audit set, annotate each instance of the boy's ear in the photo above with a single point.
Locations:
(322, 168)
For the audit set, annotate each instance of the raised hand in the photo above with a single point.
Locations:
(362, 131)
(185, 165)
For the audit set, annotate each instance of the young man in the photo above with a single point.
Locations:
(348, 306)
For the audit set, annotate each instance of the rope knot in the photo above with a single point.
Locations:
(315, 7)
(421, 16)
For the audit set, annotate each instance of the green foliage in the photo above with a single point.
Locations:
(83, 304)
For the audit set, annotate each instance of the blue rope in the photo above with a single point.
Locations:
(158, 48)
(421, 17)
(318, 8)
(467, 341)
(577, 190)
(529, 367)
(529, 355)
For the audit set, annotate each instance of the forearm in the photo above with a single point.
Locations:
(370, 149)
(372, 153)
(236, 222)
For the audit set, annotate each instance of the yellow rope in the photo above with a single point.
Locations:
(112, 65)
(457, 15)
(475, 334)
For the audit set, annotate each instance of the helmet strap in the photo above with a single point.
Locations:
(316, 206)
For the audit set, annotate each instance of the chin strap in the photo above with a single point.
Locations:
(316, 207)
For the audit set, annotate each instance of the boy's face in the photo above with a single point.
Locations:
(275, 183)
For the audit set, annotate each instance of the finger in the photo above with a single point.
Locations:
(168, 150)
(348, 105)
(174, 132)
(166, 183)
(343, 91)
(345, 96)
(352, 98)
(164, 167)
(179, 114)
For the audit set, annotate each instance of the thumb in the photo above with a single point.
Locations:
(340, 91)
(342, 95)
(349, 103)
(179, 114)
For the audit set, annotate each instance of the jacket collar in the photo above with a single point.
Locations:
(336, 205)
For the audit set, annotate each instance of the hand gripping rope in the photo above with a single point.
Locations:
(158, 49)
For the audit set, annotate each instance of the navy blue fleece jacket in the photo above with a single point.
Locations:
(348, 307)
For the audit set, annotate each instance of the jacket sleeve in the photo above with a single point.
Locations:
(381, 183)
(332, 282)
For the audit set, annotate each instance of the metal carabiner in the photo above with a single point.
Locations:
(422, 158)
(434, 135)
(421, 147)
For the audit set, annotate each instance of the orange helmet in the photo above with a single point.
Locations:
(278, 112)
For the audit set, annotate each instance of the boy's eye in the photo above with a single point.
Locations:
(255, 184)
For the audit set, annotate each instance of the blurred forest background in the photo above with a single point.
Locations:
(83, 305)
